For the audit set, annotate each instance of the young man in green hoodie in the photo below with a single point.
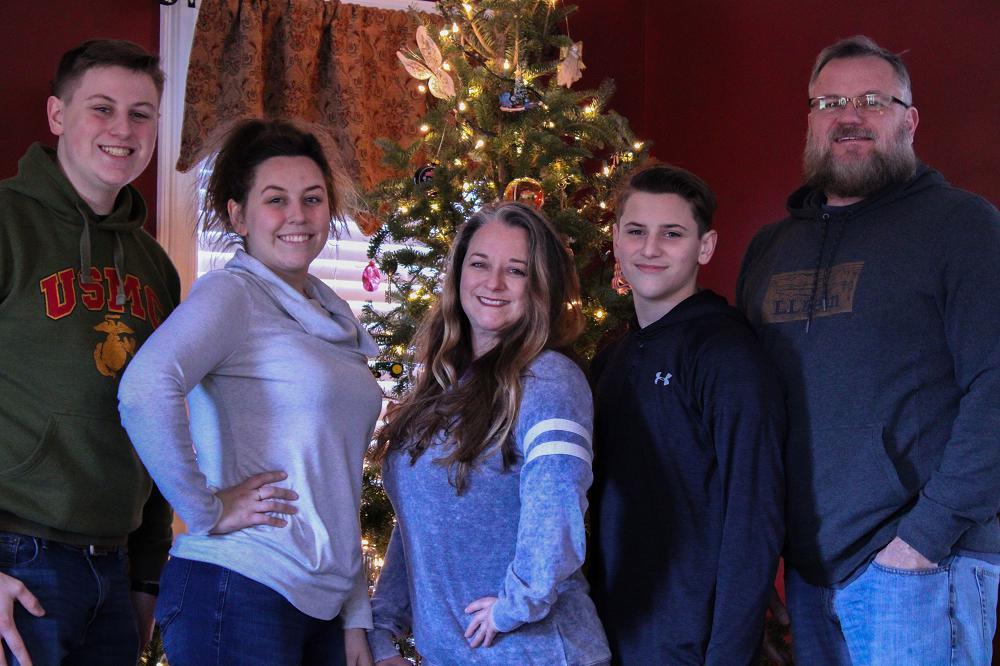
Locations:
(83, 533)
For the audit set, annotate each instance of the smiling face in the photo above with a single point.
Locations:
(106, 124)
(657, 244)
(494, 282)
(851, 154)
(286, 218)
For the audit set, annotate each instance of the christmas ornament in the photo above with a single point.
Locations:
(396, 370)
(424, 174)
(517, 100)
(618, 281)
(428, 66)
(525, 190)
(371, 277)
(571, 65)
(367, 222)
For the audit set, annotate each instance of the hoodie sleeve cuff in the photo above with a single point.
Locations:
(931, 529)
(504, 618)
(381, 644)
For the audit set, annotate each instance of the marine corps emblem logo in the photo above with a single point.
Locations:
(111, 355)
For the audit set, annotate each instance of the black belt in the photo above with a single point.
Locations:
(92, 549)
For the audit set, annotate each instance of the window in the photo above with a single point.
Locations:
(340, 264)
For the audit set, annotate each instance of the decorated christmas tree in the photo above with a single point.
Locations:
(503, 121)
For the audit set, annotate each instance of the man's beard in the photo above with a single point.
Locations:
(856, 176)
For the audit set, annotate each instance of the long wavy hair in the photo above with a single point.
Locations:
(473, 401)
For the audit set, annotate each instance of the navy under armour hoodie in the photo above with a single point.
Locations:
(688, 497)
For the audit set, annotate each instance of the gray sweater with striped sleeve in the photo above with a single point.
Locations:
(273, 382)
(516, 535)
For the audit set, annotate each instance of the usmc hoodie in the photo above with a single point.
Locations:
(78, 295)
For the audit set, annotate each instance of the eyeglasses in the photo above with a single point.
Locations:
(867, 103)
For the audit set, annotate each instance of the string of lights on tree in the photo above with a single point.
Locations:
(503, 121)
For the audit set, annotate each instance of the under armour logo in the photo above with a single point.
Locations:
(660, 377)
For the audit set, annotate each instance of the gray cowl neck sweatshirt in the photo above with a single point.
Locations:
(273, 381)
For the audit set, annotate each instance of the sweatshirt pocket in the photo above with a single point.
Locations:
(841, 487)
(83, 476)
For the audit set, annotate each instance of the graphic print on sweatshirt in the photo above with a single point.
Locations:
(789, 294)
(114, 345)
(111, 355)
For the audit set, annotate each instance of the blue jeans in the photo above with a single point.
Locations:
(213, 616)
(88, 613)
(893, 617)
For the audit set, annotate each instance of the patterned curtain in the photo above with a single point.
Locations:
(322, 62)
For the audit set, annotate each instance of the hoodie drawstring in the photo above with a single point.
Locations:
(119, 259)
(824, 267)
(85, 249)
(85, 262)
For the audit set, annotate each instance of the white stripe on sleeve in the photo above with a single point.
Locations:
(554, 424)
(559, 449)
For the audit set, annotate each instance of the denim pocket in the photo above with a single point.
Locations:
(17, 550)
(894, 571)
(173, 585)
(898, 616)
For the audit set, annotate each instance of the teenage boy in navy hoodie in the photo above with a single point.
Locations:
(689, 422)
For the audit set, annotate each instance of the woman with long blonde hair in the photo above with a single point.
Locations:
(487, 462)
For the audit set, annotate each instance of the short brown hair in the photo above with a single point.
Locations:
(862, 46)
(104, 53)
(668, 179)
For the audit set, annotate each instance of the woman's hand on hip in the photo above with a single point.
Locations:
(251, 503)
(481, 630)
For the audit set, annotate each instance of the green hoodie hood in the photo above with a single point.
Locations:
(40, 177)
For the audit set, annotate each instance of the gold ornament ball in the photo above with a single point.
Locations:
(525, 190)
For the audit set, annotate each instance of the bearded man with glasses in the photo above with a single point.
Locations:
(879, 300)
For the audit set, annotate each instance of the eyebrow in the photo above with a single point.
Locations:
(101, 96)
(281, 189)
(669, 225)
(513, 260)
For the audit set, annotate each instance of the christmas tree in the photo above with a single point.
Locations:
(503, 121)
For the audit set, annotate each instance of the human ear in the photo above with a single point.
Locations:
(912, 120)
(236, 217)
(707, 249)
(54, 108)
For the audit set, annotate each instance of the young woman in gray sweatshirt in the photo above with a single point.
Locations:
(266, 471)
(487, 462)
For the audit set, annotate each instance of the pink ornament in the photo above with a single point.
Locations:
(371, 277)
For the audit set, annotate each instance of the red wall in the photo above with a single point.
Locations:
(720, 88)
(33, 35)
